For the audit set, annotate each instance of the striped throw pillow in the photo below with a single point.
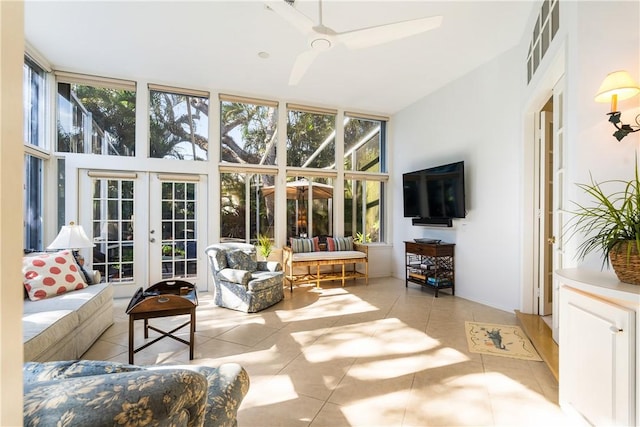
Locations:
(343, 243)
(301, 245)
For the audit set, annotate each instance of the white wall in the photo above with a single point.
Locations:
(605, 38)
(475, 119)
(479, 119)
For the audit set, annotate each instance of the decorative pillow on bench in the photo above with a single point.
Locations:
(51, 274)
(340, 243)
(305, 245)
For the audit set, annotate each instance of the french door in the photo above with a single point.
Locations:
(146, 227)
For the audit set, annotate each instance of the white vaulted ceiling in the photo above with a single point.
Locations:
(214, 45)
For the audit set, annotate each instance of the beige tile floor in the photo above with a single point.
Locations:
(376, 355)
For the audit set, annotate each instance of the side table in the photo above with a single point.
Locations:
(164, 299)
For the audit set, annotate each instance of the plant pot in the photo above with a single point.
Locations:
(625, 264)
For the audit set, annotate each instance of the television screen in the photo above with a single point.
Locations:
(436, 192)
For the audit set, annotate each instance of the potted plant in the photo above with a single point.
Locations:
(264, 245)
(362, 238)
(612, 225)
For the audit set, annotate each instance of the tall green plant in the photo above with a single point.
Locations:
(612, 219)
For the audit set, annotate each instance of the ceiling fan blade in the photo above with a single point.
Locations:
(373, 36)
(290, 14)
(302, 64)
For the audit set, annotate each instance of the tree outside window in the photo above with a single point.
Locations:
(178, 126)
(96, 120)
(242, 200)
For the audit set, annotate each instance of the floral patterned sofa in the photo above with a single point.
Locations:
(240, 281)
(99, 393)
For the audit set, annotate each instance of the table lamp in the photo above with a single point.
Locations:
(72, 237)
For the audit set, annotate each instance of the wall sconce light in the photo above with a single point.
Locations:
(616, 86)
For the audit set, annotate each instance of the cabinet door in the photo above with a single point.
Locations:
(597, 363)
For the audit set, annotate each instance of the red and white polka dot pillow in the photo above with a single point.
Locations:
(51, 274)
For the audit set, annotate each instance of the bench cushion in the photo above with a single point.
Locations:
(322, 255)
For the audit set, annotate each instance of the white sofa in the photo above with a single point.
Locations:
(65, 326)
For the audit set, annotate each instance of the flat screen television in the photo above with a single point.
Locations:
(435, 193)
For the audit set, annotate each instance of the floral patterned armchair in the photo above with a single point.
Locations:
(242, 283)
(97, 393)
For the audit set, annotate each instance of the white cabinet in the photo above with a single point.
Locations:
(598, 347)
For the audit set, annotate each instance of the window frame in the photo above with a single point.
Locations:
(40, 153)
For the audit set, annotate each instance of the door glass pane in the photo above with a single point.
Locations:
(179, 234)
(112, 227)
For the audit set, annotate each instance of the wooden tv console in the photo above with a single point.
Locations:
(430, 265)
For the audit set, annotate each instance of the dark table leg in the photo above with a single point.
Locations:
(131, 340)
(192, 333)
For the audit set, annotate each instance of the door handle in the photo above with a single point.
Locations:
(152, 239)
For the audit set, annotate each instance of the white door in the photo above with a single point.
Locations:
(177, 224)
(116, 211)
(145, 227)
(544, 166)
(558, 212)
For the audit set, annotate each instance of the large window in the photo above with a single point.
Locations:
(33, 203)
(34, 100)
(362, 209)
(363, 144)
(248, 131)
(179, 124)
(33, 96)
(96, 119)
(311, 139)
(247, 206)
(309, 207)
(364, 148)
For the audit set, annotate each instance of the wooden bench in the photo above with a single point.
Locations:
(313, 261)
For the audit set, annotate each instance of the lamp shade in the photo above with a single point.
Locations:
(617, 83)
(71, 236)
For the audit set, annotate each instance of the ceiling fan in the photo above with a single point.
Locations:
(323, 38)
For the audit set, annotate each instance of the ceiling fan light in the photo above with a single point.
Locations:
(321, 44)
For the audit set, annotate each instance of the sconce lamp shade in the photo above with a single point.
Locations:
(618, 83)
(71, 236)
